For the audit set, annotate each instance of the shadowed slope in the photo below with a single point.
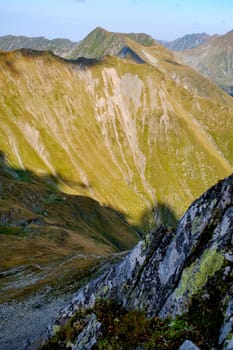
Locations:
(48, 237)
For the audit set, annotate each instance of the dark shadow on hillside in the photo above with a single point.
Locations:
(25, 175)
(46, 196)
(161, 214)
(127, 53)
(82, 62)
(229, 90)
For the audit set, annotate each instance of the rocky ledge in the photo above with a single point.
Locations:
(168, 274)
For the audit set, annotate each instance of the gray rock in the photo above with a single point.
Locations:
(166, 269)
(88, 337)
(226, 334)
(188, 345)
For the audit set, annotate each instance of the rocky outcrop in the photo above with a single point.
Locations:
(168, 269)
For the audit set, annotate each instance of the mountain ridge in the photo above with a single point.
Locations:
(100, 42)
(214, 60)
(58, 46)
(188, 41)
(114, 91)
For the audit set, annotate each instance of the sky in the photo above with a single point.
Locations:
(74, 19)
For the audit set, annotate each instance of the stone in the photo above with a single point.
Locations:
(188, 345)
(88, 337)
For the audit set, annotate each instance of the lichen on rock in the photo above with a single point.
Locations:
(195, 277)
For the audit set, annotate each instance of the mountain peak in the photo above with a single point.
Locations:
(100, 29)
(100, 42)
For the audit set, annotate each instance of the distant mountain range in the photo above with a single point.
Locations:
(98, 43)
(214, 59)
(210, 55)
(95, 43)
(60, 47)
(188, 41)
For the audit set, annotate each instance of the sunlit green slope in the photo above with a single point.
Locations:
(134, 137)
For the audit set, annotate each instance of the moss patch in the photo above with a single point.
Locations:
(196, 276)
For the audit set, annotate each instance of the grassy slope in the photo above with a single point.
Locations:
(50, 238)
(133, 137)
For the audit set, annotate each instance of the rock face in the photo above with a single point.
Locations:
(168, 269)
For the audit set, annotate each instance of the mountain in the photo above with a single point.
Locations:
(60, 47)
(175, 284)
(93, 153)
(100, 43)
(214, 60)
(143, 139)
(96, 44)
(188, 41)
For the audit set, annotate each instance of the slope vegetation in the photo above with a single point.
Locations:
(144, 139)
